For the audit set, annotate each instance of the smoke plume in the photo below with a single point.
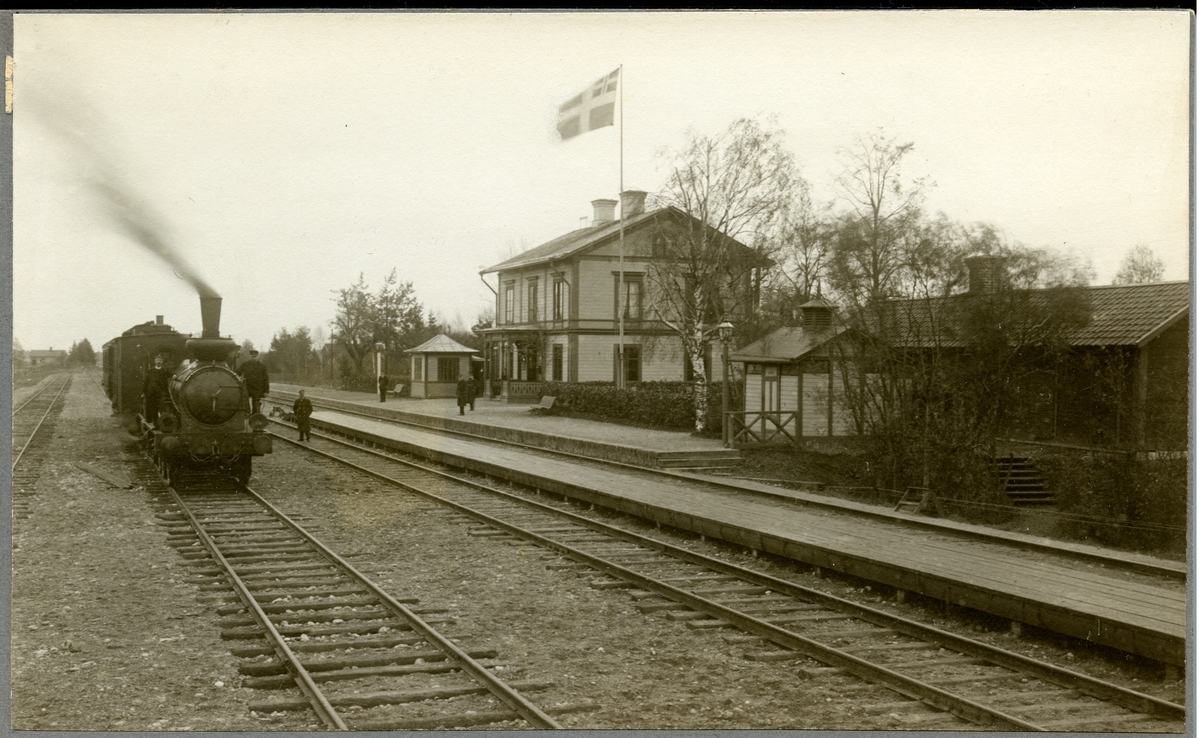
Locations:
(115, 198)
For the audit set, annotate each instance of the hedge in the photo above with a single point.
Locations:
(662, 404)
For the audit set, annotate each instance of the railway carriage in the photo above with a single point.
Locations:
(205, 422)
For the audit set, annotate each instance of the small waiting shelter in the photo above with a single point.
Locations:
(437, 364)
(793, 382)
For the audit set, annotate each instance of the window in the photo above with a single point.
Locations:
(418, 368)
(447, 370)
(633, 362)
(561, 295)
(630, 299)
(557, 370)
(533, 301)
(510, 296)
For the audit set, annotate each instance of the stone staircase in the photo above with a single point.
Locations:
(1023, 483)
(698, 460)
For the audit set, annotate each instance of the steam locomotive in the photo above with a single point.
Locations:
(205, 423)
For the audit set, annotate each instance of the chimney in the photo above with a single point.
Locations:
(633, 202)
(210, 346)
(158, 320)
(817, 315)
(603, 211)
(210, 317)
(986, 274)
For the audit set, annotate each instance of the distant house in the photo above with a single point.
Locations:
(437, 364)
(47, 357)
(559, 305)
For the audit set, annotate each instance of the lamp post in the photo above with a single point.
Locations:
(725, 332)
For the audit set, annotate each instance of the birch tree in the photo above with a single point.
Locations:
(708, 267)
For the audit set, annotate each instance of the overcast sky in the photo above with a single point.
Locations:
(282, 155)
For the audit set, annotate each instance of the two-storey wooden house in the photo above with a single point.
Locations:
(561, 306)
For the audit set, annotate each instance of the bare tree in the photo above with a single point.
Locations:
(805, 246)
(1139, 266)
(734, 187)
(883, 210)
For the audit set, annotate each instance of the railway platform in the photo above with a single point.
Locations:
(1107, 598)
(514, 422)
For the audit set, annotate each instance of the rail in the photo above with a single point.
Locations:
(757, 609)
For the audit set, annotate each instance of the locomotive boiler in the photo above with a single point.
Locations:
(204, 421)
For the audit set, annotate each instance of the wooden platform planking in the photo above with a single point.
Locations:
(1035, 588)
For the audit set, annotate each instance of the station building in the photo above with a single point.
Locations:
(559, 304)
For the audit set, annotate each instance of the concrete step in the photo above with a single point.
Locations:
(722, 459)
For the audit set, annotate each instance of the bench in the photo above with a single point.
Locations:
(544, 406)
(397, 390)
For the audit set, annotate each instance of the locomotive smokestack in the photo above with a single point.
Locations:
(210, 316)
(210, 346)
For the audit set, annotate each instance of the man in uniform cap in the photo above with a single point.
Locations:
(258, 384)
(154, 389)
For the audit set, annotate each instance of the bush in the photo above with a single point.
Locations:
(1120, 500)
(662, 404)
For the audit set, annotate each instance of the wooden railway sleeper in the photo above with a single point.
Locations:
(977, 713)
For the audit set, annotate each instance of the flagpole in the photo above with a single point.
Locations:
(622, 295)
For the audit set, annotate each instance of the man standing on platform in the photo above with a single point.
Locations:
(471, 393)
(302, 408)
(383, 387)
(463, 390)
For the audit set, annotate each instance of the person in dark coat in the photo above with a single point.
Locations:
(383, 387)
(463, 391)
(472, 392)
(154, 389)
(258, 384)
(302, 408)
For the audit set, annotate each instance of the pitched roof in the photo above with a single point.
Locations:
(787, 344)
(44, 354)
(573, 242)
(1132, 314)
(441, 344)
(1119, 315)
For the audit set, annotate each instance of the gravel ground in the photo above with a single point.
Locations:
(108, 633)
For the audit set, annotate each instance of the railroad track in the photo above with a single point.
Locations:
(33, 423)
(303, 618)
(942, 678)
(1177, 573)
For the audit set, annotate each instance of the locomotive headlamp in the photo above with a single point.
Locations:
(259, 422)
